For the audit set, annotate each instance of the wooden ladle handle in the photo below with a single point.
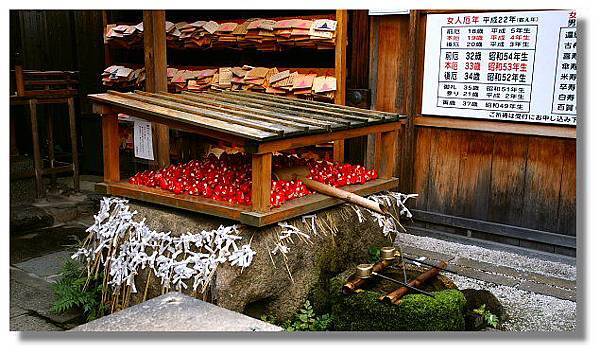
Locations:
(344, 195)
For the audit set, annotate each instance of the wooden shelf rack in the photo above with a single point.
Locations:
(260, 123)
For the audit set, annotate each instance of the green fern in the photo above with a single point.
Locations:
(73, 294)
(307, 320)
(490, 319)
(304, 320)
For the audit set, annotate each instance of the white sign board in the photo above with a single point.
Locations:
(142, 139)
(516, 66)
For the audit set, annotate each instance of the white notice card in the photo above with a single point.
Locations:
(142, 139)
(516, 66)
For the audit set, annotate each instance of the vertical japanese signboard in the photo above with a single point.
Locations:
(516, 66)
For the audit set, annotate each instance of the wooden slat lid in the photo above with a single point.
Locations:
(254, 116)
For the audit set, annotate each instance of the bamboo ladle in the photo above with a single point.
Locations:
(301, 173)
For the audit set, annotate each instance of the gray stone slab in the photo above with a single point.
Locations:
(489, 267)
(34, 294)
(519, 274)
(29, 323)
(551, 281)
(498, 279)
(429, 254)
(543, 289)
(17, 311)
(47, 265)
(176, 312)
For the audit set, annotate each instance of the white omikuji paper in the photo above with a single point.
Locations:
(516, 66)
(142, 139)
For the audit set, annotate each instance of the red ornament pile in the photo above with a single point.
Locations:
(229, 177)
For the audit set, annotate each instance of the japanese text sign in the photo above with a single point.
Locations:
(516, 66)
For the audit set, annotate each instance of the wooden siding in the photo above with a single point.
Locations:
(518, 180)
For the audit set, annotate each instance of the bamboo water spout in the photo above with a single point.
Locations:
(395, 296)
(359, 280)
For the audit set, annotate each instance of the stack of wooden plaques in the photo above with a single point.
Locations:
(118, 76)
(245, 78)
(126, 36)
(196, 34)
(261, 34)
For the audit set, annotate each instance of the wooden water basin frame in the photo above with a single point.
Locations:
(260, 123)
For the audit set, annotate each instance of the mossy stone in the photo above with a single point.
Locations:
(363, 311)
(266, 288)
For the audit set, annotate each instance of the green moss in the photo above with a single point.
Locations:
(363, 311)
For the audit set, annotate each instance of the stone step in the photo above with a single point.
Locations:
(175, 311)
(28, 218)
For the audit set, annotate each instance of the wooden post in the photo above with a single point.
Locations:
(20, 86)
(409, 140)
(51, 157)
(341, 42)
(110, 138)
(37, 158)
(376, 163)
(155, 59)
(389, 144)
(261, 182)
(74, 142)
(19, 80)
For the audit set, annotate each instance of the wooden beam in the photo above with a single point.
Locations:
(289, 209)
(155, 50)
(74, 142)
(110, 139)
(298, 142)
(155, 59)
(20, 83)
(341, 42)
(37, 157)
(338, 151)
(532, 129)
(506, 230)
(261, 182)
(167, 198)
(389, 144)
(409, 142)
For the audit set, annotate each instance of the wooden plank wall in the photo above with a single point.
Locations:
(61, 40)
(518, 180)
(512, 179)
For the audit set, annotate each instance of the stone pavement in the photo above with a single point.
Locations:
(539, 294)
(43, 234)
(30, 300)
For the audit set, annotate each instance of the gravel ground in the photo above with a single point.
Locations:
(527, 311)
(515, 261)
